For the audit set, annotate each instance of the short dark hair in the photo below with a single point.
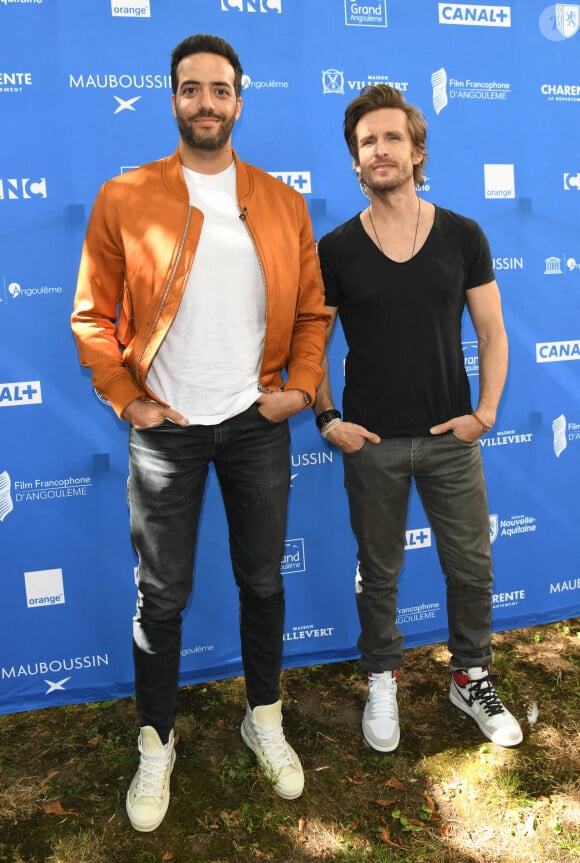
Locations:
(384, 96)
(203, 43)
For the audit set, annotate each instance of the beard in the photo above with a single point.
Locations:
(212, 140)
(379, 185)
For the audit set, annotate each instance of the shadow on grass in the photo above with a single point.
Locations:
(446, 795)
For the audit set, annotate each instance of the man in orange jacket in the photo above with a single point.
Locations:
(198, 285)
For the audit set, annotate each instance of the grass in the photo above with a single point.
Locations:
(445, 796)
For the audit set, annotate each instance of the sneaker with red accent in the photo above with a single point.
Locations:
(472, 691)
(380, 722)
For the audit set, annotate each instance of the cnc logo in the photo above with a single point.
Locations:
(333, 82)
(571, 181)
(560, 21)
(499, 181)
(299, 180)
(6, 502)
(373, 14)
(475, 16)
(557, 352)
(14, 82)
(19, 394)
(293, 559)
(251, 6)
(22, 189)
(44, 587)
(142, 10)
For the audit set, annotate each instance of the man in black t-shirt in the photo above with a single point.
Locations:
(399, 275)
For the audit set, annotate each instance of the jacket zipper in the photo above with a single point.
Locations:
(251, 236)
(164, 297)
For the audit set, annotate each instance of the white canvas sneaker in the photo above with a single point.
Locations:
(380, 722)
(472, 691)
(148, 795)
(262, 732)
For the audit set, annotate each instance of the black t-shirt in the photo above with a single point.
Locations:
(402, 322)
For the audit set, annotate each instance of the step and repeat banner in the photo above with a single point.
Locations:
(85, 95)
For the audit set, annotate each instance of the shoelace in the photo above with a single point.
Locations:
(151, 777)
(382, 696)
(274, 744)
(483, 691)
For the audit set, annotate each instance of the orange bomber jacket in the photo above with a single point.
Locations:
(138, 250)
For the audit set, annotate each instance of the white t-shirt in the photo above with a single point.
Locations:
(209, 363)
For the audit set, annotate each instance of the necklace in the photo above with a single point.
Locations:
(416, 229)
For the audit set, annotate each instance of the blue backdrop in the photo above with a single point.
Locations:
(85, 95)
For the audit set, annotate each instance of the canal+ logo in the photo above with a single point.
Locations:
(299, 180)
(472, 15)
(557, 352)
(20, 393)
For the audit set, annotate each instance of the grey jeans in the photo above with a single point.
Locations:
(448, 474)
(168, 471)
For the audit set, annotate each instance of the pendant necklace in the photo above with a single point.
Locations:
(416, 229)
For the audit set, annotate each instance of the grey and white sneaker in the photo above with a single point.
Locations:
(472, 691)
(262, 732)
(380, 722)
(148, 795)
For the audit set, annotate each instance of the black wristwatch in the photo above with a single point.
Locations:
(326, 416)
